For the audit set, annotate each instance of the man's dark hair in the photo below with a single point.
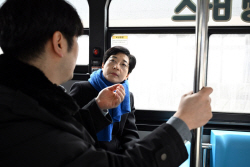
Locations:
(119, 49)
(26, 26)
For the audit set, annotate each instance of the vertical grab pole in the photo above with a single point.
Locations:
(200, 75)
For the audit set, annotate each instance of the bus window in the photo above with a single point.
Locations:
(141, 13)
(164, 68)
(82, 8)
(155, 13)
(83, 52)
(229, 72)
(1, 2)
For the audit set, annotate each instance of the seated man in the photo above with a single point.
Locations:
(37, 127)
(117, 65)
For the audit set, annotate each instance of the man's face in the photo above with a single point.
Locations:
(115, 70)
(71, 57)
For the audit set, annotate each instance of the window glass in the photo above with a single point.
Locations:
(83, 52)
(1, 2)
(153, 13)
(164, 69)
(82, 8)
(229, 72)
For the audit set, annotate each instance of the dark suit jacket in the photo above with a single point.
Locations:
(37, 128)
(124, 133)
(32, 136)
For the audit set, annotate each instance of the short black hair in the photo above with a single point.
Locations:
(120, 49)
(26, 26)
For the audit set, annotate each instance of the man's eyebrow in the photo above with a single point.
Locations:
(112, 56)
(125, 61)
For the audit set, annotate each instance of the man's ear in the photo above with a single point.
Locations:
(58, 43)
(102, 65)
(127, 76)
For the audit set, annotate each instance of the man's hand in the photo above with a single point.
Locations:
(110, 97)
(195, 109)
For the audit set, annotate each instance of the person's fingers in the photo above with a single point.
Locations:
(189, 93)
(121, 94)
(206, 91)
(121, 90)
(118, 99)
(114, 87)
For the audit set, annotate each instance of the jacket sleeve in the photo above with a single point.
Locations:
(162, 148)
(93, 118)
(130, 132)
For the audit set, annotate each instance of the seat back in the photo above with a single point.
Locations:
(230, 149)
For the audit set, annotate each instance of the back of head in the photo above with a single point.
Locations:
(26, 26)
(120, 49)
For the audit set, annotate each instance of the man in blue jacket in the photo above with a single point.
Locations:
(39, 123)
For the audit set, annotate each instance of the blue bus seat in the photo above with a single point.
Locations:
(230, 149)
